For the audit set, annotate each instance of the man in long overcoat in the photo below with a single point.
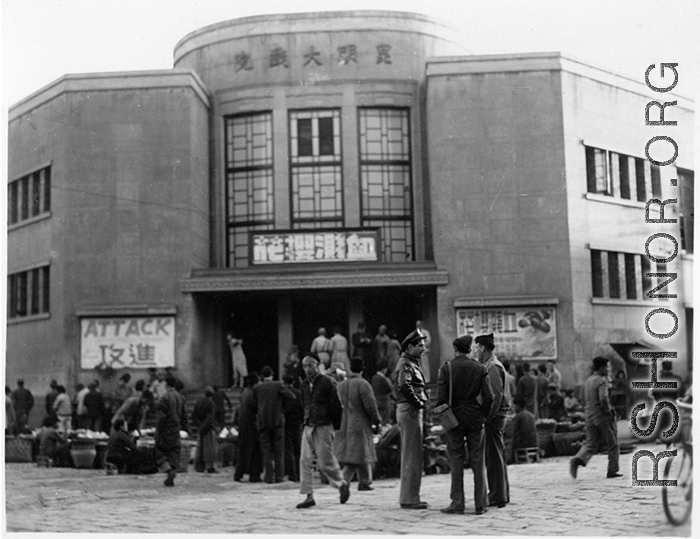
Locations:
(249, 453)
(354, 443)
(171, 414)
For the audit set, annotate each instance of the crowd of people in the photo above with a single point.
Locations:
(328, 408)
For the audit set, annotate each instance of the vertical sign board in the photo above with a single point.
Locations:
(528, 333)
(127, 342)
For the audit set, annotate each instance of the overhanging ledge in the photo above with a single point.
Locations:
(313, 277)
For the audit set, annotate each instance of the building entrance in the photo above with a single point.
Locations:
(316, 310)
(255, 322)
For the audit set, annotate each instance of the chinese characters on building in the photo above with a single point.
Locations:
(127, 342)
(292, 247)
(278, 57)
(526, 333)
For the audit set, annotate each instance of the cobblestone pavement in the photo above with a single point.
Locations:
(545, 501)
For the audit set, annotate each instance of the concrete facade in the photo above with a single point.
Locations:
(501, 217)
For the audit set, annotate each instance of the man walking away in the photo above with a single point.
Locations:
(600, 421)
(268, 402)
(470, 401)
(322, 412)
(171, 418)
(354, 442)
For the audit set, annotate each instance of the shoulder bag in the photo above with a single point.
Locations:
(444, 413)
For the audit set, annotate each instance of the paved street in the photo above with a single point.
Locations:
(545, 501)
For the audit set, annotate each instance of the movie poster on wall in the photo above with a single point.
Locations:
(127, 342)
(527, 333)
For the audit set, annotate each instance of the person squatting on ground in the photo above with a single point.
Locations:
(600, 421)
(471, 401)
(52, 444)
(322, 413)
(268, 402)
(411, 399)
(496, 468)
(171, 418)
(354, 441)
(122, 451)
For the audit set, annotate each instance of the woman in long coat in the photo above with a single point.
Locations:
(207, 443)
(354, 443)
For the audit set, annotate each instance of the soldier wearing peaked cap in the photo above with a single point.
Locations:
(496, 468)
(411, 399)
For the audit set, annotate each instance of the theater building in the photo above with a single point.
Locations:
(317, 170)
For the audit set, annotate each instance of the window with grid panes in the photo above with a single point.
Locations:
(316, 169)
(29, 196)
(249, 182)
(28, 293)
(385, 179)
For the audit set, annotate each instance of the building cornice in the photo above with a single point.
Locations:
(125, 80)
(362, 276)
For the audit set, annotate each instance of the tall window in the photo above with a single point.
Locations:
(385, 176)
(623, 275)
(616, 174)
(29, 196)
(686, 184)
(28, 293)
(316, 169)
(249, 182)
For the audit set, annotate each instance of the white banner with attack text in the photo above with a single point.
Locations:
(127, 342)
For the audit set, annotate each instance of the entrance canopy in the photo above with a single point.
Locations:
(313, 277)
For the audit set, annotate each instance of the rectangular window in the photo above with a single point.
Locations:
(598, 171)
(29, 196)
(249, 182)
(631, 279)
(655, 181)
(385, 179)
(623, 276)
(28, 293)
(686, 184)
(316, 169)
(624, 177)
(640, 177)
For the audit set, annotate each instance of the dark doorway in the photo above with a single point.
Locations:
(398, 310)
(255, 321)
(318, 309)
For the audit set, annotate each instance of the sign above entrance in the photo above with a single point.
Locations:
(350, 245)
(523, 332)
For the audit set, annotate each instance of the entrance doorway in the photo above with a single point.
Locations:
(319, 309)
(398, 310)
(255, 322)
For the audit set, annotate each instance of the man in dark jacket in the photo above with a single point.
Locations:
(322, 413)
(221, 400)
(471, 401)
(527, 389)
(411, 399)
(249, 454)
(268, 402)
(23, 401)
(207, 444)
(95, 405)
(496, 467)
(50, 398)
(293, 425)
(122, 450)
(171, 418)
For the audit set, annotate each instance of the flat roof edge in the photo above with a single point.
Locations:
(118, 80)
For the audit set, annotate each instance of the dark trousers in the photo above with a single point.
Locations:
(272, 443)
(292, 449)
(456, 439)
(496, 469)
(601, 430)
(249, 456)
(167, 457)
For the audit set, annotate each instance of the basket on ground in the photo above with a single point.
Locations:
(18, 449)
